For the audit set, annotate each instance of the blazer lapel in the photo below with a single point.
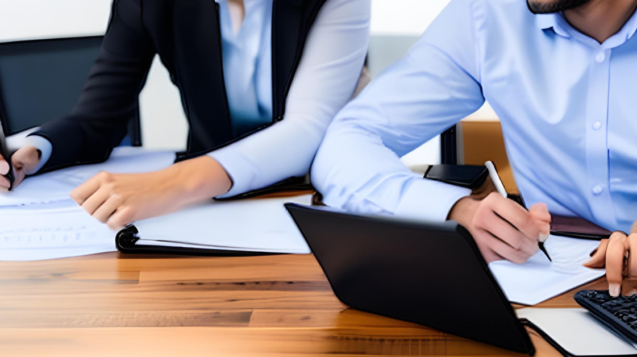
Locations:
(199, 68)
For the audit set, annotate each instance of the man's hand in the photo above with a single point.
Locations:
(24, 161)
(502, 228)
(615, 255)
(120, 199)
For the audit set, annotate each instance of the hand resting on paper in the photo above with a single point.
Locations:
(24, 161)
(502, 228)
(120, 199)
(615, 254)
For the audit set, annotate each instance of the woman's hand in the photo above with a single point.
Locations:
(120, 199)
(24, 162)
(615, 255)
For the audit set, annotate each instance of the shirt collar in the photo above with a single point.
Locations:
(552, 21)
(558, 23)
(629, 29)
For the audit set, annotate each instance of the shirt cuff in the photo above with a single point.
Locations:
(429, 200)
(239, 169)
(41, 144)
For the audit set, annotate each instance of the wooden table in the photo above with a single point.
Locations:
(121, 305)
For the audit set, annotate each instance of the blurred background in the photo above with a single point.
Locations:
(396, 26)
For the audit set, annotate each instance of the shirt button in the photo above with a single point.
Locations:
(597, 190)
(597, 125)
(600, 57)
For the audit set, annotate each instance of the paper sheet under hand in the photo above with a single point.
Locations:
(539, 279)
(56, 186)
(51, 231)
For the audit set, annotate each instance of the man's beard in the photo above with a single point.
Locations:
(538, 7)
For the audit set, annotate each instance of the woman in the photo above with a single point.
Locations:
(260, 81)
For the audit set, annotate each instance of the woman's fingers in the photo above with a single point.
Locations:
(96, 200)
(615, 256)
(81, 193)
(121, 218)
(598, 258)
(106, 210)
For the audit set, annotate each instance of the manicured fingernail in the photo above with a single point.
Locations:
(632, 292)
(614, 290)
(544, 237)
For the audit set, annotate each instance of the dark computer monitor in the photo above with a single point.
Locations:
(42, 80)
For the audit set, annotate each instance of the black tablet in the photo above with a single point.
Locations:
(430, 274)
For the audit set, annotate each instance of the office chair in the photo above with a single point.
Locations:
(41, 80)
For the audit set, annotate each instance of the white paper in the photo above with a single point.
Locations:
(259, 225)
(56, 186)
(578, 332)
(51, 231)
(538, 279)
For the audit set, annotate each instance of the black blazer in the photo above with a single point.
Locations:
(187, 36)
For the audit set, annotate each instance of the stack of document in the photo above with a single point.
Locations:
(51, 231)
(38, 220)
(254, 225)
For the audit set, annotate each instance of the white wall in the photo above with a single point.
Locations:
(396, 25)
(38, 19)
(163, 120)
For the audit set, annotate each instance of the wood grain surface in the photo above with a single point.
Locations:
(123, 305)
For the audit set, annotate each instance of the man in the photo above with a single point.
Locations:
(561, 78)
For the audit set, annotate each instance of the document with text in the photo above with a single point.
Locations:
(51, 231)
(539, 279)
(56, 186)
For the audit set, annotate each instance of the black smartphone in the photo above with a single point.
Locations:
(469, 176)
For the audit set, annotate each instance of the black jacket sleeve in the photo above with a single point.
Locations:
(99, 120)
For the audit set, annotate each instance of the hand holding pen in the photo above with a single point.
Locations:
(539, 212)
(501, 228)
(23, 162)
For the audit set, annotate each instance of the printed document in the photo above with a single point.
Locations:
(539, 279)
(56, 186)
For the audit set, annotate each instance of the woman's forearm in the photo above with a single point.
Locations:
(200, 179)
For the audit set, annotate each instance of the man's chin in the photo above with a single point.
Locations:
(553, 6)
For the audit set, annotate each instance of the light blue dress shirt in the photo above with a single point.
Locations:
(567, 105)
